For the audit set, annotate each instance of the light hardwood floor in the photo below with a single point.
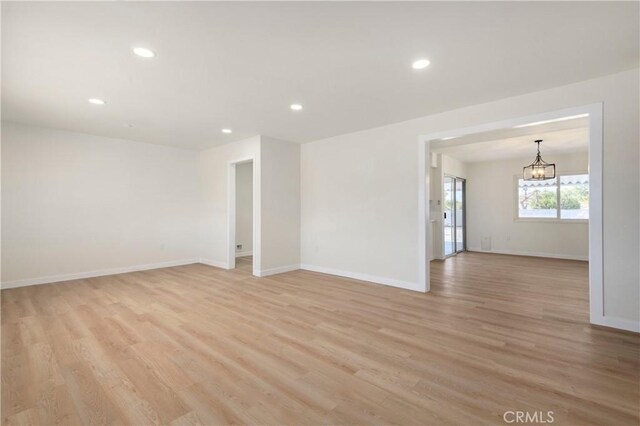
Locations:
(196, 344)
(245, 263)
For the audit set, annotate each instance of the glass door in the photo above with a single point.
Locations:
(454, 215)
(449, 212)
(460, 214)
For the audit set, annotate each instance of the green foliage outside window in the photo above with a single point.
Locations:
(574, 197)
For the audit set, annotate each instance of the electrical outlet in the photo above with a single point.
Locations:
(238, 246)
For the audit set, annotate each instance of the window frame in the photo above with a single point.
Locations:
(557, 219)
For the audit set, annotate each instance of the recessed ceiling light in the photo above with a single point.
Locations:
(420, 64)
(96, 101)
(296, 107)
(144, 52)
(227, 131)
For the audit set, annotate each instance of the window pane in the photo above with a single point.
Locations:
(574, 197)
(538, 199)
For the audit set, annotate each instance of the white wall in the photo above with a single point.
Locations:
(360, 202)
(359, 205)
(453, 167)
(75, 204)
(280, 205)
(491, 212)
(244, 208)
(435, 207)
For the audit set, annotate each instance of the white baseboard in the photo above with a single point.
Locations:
(96, 273)
(364, 277)
(278, 270)
(531, 253)
(216, 263)
(261, 273)
(620, 323)
(244, 253)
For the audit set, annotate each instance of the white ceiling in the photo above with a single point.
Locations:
(558, 138)
(240, 65)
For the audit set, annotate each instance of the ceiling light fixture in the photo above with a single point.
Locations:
(143, 52)
(420, 64)
(96, 101)
(554, 120)
(296, 107)
(226, 131)
(539, 169)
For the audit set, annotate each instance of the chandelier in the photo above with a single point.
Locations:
(539, 169)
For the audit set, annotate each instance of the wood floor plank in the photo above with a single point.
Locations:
(92, 402)
(194, 344)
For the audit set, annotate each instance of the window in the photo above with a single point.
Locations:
(545, 200)
(574, 197)
(538, 199)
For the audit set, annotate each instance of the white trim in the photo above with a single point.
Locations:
(550, 220)
(596, 244)
(596, 260)
(620, 323)
(531, 254)
(97, 273)
(278, 270)
(231, 215)
(215, 263)
(424, 231)
(364, 277)
(244, 253)
(257, 212)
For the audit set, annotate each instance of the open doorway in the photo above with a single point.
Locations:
(512, 213)
(244, 216)
(241, 226)
(544, 236)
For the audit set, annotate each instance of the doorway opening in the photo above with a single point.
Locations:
(244, 216)
(242, 248)
(454, 206)
(562, 226)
